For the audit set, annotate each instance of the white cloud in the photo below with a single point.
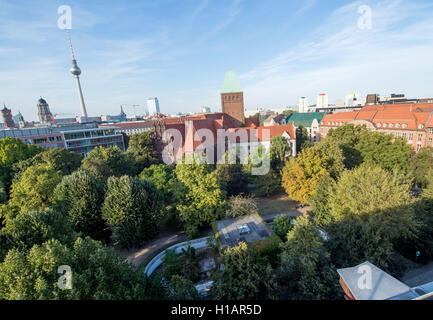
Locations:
(339, 57)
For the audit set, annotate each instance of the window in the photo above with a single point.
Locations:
(59, 138)
(41, 140)
(403, 135)
(397, 125)
(397, 134)
(430, 141)
(391, 125)
(52, 139)
(418, 148)
(410, 136)
(384, 125)
(379, 125)
(421, 126)
(431, 130)
(404, 126)
(419, 137)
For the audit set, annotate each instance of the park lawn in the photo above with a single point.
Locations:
(275, 204)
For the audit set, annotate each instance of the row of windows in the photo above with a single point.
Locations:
(232, 98)
(380, 125)
(397, 125)
(45, 140)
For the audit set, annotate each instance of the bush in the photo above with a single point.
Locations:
(240, 206)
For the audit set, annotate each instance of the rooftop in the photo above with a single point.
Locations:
(245, 229)
(304, 119)
(231, 83)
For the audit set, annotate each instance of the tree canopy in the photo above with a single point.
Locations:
(80, 197)
(306, 268)
(201, 199)
(140, 147)
(35, 189)
(132, 207)
(243, 277)
(103, 163)
(97, 273)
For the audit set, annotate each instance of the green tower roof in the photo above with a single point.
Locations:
(231, 83)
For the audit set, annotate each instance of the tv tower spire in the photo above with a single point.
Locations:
(76, 71)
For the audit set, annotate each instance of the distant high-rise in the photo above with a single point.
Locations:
(7, 118)
(322, 101)
(232, 98)
(205, 110)
(351, 99)
(153, 106)
(76, 71)
(44, 113)
(303, 105)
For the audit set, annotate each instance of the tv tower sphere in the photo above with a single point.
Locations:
(75, 70)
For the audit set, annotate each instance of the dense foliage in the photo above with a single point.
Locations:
(132, 207)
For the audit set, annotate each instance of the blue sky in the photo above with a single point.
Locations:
(179, 51)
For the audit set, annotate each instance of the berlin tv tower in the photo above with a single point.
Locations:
(76, 71)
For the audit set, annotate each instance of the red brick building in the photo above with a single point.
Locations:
(412, 122)
(232, 99)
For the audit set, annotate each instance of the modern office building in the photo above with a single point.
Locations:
(85, 140)
(303, 105)
(153, 106)
(322, 101)
(130, 127)
(80, 138)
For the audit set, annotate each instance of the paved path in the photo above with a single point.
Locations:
(294, 213)
(419, 276)
(138, 256)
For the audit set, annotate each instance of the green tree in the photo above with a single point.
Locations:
(203, 201)
(60, 159)
(3, 194)
(103, 163)
(306, 268)
(321, 212)
(420, 164)
(171, 264)
(348, 137)
(12, 151)
(133, 208)
(282, 226)
(232, 177)
(385, 150)
(80, 196)
(180, 288)
(34, 228)
(268, 185)
(141, 149)
(34, 191)
(98, 273)
(280, 151)
(244, 276)
(302, 137)
(162, 176)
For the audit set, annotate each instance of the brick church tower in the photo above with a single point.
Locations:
(232, 98)
(7, 118)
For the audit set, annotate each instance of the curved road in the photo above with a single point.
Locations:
(137, 256)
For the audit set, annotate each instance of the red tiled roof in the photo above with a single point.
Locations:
(394, 114)
(129, 125)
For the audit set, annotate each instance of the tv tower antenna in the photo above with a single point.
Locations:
(76, 71)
